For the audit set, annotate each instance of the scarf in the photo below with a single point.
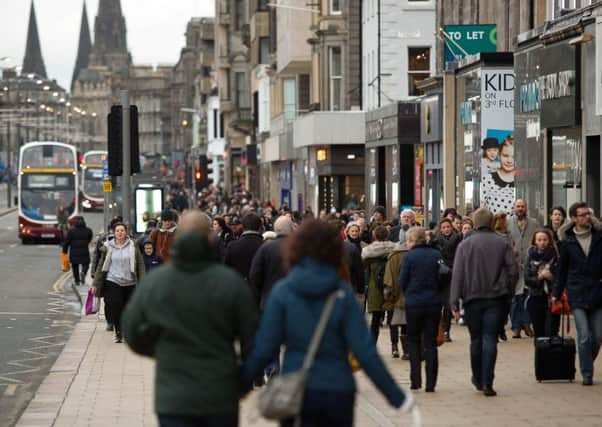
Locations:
(547, 256)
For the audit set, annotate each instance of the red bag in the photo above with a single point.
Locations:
(561, 305)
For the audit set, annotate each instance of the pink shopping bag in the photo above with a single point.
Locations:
(92, 303)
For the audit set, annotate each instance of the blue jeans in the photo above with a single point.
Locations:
(483, 318)
(213, 420)
(589, 338)
(519, 317)
(325, 408)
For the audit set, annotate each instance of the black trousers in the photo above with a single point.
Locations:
(214, 420)
(423, 322)
(116, 297)
(545, 324)
(376, 320)
(75, 270)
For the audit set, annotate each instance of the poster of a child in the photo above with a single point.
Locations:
(490, 161)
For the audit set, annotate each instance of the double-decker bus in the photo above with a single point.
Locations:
(48, 189)
(92, 196)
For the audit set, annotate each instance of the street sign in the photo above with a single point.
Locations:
(107, 187)
(105, 169)
(462, 40)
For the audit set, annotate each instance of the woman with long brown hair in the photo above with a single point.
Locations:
(314, 258)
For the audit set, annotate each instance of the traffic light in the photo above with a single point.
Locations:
(115, 140)
(206, 170)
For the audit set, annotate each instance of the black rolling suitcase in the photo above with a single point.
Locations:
(555, 357)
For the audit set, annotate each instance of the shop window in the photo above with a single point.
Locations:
(566, 169)
(262, 4)
(240, 14)
(354, 196)
(419, 66)
(303, 92)
(335, 78)
(556, 8)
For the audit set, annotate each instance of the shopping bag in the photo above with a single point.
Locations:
(64, 262)
(92, 303)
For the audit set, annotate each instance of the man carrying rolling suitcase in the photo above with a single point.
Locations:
(579, 272)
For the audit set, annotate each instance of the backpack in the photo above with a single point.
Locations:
(380, 266)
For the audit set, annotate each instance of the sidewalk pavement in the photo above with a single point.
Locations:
(96, 382)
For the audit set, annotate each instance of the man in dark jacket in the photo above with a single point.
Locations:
(484, 275)
(580, 273)
(188, 315)
(77, 244)
(267, 266)
(240, 253)
(407, 219)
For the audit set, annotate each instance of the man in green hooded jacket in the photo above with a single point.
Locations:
(188, 314)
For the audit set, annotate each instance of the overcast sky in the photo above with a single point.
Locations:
(155, 30)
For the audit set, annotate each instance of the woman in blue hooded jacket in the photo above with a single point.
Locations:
(314, 259)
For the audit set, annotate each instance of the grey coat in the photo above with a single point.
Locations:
(522, 242)
(484, 268)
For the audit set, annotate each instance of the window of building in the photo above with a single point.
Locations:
(264, 50)
(240, 14)
(335, 78)
(290, 100)
(335, 7)
(556, 7)
(262, 4)
(242, 96)
(419, 66)
(215, 124)
(304, 92)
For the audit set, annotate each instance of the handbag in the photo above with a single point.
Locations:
(64, 262)
(440, 334)
(283, 396)
(92, 303)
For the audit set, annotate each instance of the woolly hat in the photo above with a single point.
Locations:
(167, 214)
(490, 143)
(482, 217)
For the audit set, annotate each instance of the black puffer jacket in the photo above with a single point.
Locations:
(77, 243)
(447, 245)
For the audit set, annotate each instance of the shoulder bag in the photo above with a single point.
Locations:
(283, 396)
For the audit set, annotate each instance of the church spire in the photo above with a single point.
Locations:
(110, 45)
(33, 61)
(84, 48)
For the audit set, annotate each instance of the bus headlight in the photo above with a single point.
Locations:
(86, 204)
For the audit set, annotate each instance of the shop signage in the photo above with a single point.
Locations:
(556, 85)
(383, 128)
(469, 39)
(431, 119)
(529, 97)
(559, 86)
(497, 139)
(532, 128)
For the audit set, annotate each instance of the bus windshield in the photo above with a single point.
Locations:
(43, 196)
(93, 182)
(48, 156)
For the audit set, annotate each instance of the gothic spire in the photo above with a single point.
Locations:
(84, 48)
(110, 45)
(33, 61)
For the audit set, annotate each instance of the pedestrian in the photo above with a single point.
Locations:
(467, 227)
(152, 259)
(120, 268)
(240, 253)
(188, 316)
(353, 233)
(579, 272)
(446, 240)
(151, 225)
(484, 276)
(374, 258)
(540, 268)
(224, 234)
(77, 244)
(407, 219)
(557, 220)
(267, 268)
(353, 258)
(394, 299)
(165, 235)
(521, 229)
(500, 227)
(457, 223)
(421, 285)
(313, 257)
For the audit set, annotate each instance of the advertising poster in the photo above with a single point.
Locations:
(497, 137)
(149, 204)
